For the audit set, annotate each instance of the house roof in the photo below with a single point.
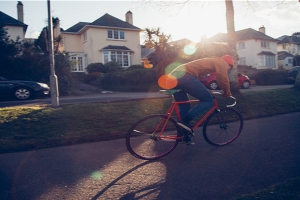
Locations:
(245, 34)
(290, 39)
(183, 41)
(6, 20)
(266, 53)
(77, 27)
(104, 21)
(146, 52)
(110, 21)
(115, 48)
(283, 54)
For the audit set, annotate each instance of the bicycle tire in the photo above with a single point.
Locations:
(223, 126)
(143, 143)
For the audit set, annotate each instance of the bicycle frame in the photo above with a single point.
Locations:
(175, 106)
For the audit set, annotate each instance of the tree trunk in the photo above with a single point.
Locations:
(231, 41)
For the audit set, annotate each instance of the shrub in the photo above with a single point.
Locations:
(112, 66)
(134, 67)
(270, 77)
(95, 67)
(109, 67)
(132, 80)
(92, 77)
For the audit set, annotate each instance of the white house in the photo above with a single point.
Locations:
(289, 46)
(15, 28)
(285, 60)
(254, 48)
(104, 40)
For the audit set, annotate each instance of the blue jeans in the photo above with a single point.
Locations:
(191, 85)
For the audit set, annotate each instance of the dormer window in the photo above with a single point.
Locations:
(115, 35)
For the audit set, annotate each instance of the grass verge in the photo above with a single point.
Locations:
(25, 128)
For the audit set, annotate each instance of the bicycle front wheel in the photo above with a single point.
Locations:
(223, 126)
(152, 137)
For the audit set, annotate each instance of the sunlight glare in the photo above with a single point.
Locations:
(208, 19)
(190, 49)
(96, 175)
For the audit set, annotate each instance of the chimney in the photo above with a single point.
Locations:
(129, 17)
(20, 11)
(262, 30)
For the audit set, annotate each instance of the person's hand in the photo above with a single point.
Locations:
(226, 95)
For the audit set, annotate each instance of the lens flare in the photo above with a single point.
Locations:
(171, 67)
(189, 49)
(96, 175)
(167, 82)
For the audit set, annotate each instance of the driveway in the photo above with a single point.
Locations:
(267, 152)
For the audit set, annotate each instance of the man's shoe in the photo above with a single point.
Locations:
(188, 136)
(185, 126)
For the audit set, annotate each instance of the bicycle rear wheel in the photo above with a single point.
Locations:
(152, 137)
(223, 127)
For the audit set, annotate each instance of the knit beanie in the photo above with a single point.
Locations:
(228, 59)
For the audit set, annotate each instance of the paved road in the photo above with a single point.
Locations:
(267, 152)
(116, 96)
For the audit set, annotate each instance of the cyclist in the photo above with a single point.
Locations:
(187, 78)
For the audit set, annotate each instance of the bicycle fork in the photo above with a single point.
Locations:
(221, 121)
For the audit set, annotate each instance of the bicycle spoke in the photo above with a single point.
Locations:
(223, 127)
(152, 137)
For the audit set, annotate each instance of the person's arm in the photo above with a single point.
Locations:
(223, 80)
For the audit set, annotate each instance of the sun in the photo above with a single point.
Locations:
(199, 19)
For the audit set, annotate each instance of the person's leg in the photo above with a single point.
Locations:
(196, 89)
(183, 108)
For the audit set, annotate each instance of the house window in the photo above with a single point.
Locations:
(109, 34)
(267, 60)
(265, 44)
(77, 63)
(84, 37)
(283, 46)
(242, 61)
(123, 58)
(85, 62)
(241, 45)
(115, 35)
(290, 61)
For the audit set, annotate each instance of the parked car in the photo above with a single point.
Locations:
(292, 74)
(210, 81)
(22, 90)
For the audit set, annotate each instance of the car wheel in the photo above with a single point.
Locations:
(246, 84)
(213, 85)
(23, 93)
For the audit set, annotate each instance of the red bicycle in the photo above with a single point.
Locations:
(157, 135)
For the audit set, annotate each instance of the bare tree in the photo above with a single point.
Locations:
(231, 41)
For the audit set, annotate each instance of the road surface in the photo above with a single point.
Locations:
(267, 152)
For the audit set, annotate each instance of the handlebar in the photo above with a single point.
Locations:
(232, 97)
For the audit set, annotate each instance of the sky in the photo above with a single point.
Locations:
(188, 20)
